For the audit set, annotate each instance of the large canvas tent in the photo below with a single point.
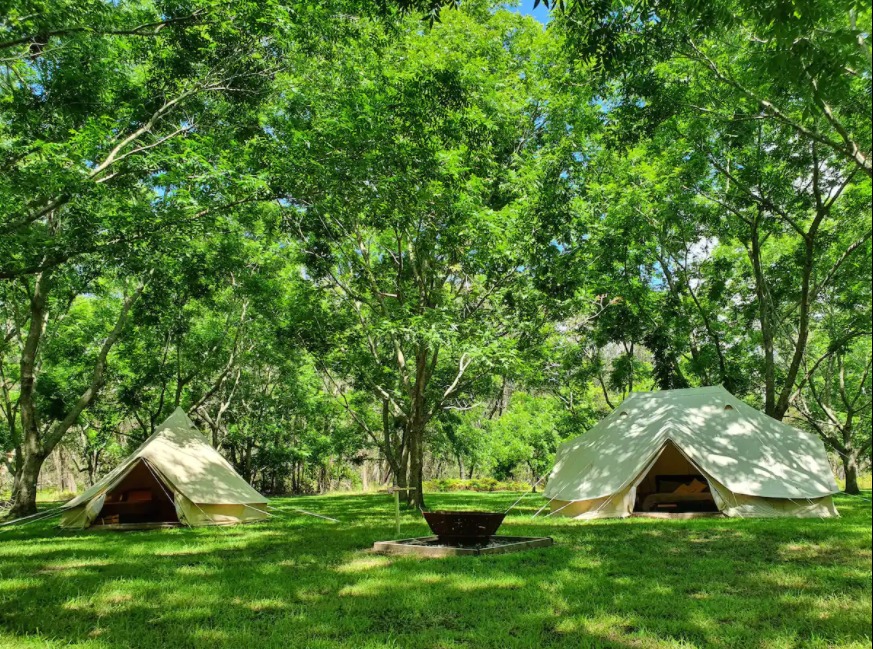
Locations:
(175, 476)
(692, 450)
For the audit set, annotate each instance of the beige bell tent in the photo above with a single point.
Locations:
(689, 451)
(174, 477)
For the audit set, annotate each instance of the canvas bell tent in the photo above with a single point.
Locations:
(688, 451)
(174, 477)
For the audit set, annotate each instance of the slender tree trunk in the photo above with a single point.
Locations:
(66, 479)
(248, 461)
(416, 465)
(767, 336)
(92, 471)
(415, 429)
(784, 400)
(397, 459)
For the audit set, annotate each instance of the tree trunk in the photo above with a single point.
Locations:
(323, 479)
(767, 336)
(850, 467)
(398, 462)
(415, 429)
(37, 444)
(784, 400)
(66, 479)
(24, 497)
(416, 466)
(248, 461)
(32, 453)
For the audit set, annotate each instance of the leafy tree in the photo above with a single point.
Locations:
(718, 214)
(119, 126)
(58, 345)
(835, 403)
(526, 435)
(459, 437)
(802, 64)
(413, 236)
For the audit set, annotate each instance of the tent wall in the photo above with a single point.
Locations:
(730, 504)
(82, 516)
(742, 506)
(197, 514)
(189, 513)
(753, 507)
(617, 506)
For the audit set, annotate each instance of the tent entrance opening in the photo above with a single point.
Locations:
(138, 499)
(673, 484)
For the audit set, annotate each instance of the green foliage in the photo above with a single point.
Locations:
(526, 435)
(432, 234)
(401, 169)
(477, 484)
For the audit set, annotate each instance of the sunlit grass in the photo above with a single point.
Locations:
(299, 581)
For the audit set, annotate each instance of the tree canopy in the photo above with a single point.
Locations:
(394, 241)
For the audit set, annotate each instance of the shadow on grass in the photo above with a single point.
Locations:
(298, 581)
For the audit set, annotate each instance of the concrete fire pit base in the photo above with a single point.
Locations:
(431, 546)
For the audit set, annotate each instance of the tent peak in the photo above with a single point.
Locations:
(680, 392)
(177, 420)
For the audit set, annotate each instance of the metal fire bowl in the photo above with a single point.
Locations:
(463, 527)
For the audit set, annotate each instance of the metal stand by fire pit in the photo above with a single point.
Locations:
(462, 533)
(431, 546)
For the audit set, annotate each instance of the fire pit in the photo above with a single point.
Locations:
(463, 528)
(462, 533)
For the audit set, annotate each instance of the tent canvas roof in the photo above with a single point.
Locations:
(186, 461)
(739, 446)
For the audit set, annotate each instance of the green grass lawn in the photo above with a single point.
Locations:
(298, 581)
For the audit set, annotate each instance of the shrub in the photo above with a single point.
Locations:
(477, 484)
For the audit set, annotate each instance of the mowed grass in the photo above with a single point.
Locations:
(299, 581)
